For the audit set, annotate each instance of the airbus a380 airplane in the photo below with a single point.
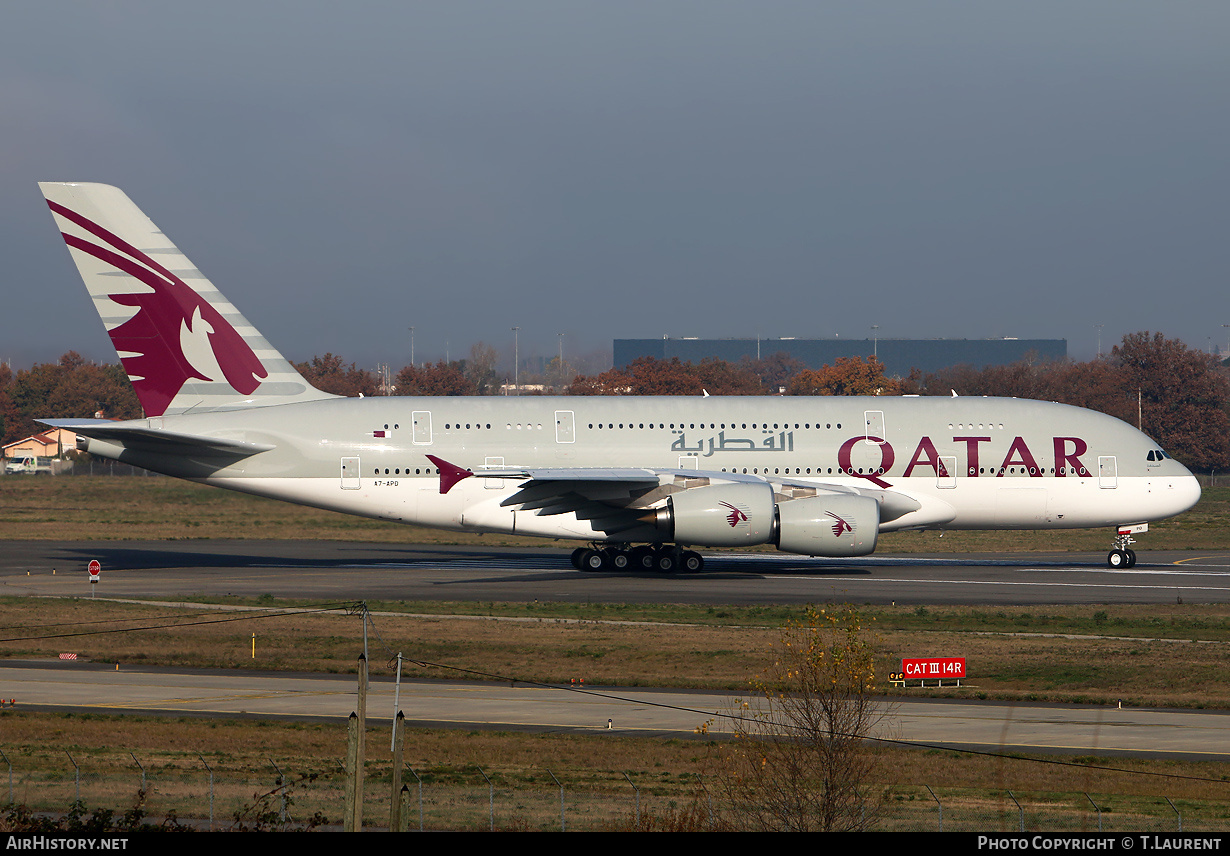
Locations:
(813, 476)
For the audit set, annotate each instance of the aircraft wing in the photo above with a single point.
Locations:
(147, 439)
(620, 496)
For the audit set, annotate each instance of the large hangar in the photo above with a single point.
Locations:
(899, 356)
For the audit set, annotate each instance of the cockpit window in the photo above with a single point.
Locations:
(1152, 456)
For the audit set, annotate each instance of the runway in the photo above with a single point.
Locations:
(977, 726)
(365, 571)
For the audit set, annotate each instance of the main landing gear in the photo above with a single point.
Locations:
(1122, 556)
(665, 559)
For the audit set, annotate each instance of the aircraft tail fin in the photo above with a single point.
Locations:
(183, 344)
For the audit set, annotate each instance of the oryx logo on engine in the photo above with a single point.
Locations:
(841, 526)
(736, 516)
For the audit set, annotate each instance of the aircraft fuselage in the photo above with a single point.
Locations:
(970, 463)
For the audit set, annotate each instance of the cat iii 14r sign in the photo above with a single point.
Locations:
(933, 668)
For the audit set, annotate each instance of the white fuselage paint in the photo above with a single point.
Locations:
(970, 463)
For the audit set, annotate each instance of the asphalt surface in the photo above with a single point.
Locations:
(364, 571)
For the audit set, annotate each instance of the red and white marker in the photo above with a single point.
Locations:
(95, 568)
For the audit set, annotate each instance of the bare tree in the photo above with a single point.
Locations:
(801, 759)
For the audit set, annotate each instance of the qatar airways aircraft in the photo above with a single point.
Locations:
(642, 481)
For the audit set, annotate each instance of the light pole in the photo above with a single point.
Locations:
(411, 347)
(516, 360)
(875, 344)
(1099, 326)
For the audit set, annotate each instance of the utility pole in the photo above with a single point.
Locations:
(516, 360)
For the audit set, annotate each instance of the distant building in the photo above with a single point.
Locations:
(899, 356)
(49, 444)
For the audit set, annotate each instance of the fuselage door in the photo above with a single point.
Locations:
(947, 476)
(565, 430)
(422, 427)
(495, 464)
(350, 474)
(1108, 471)
(875, 425)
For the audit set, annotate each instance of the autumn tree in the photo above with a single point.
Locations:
(73, 387)
(440, 378)
(803, 758)
(774, 371)
(9, 415)
(848, 376)
(556, 374)
(330, 374)
(1181, 397)
(480, 369)
(1176, 395)
(651, 376)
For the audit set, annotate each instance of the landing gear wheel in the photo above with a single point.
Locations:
(595, 560)
(692, 562)
(619, 559)
(1123, 556)
(665, 562)
(641, 558)
(576, 557)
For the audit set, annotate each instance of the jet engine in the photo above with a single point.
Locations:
(728, 515)
(743, 515)
(830, 525)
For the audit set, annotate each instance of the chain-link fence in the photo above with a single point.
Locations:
(87, 466)
(209, 794)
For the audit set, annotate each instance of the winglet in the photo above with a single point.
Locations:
(450, 474)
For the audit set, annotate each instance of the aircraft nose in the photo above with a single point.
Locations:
(1190, 491)
(1181, 493)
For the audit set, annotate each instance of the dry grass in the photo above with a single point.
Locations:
(139, 508)
(451, 765)
(1056, 653)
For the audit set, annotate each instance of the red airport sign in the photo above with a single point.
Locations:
(934, 667)
(95, 568)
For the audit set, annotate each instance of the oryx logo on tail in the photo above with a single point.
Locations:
(174, 335)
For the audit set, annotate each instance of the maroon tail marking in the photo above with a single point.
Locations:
(153, 332)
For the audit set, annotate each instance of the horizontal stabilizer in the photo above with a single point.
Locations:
(140, 437)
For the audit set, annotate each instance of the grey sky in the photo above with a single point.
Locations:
(343, 171)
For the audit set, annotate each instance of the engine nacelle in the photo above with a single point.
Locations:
(829, 525)
(728, 515)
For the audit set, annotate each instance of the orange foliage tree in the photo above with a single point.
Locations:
(330, 374)
(850, 376)
(650, 376)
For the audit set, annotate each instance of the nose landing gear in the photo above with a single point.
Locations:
(1122, 556)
